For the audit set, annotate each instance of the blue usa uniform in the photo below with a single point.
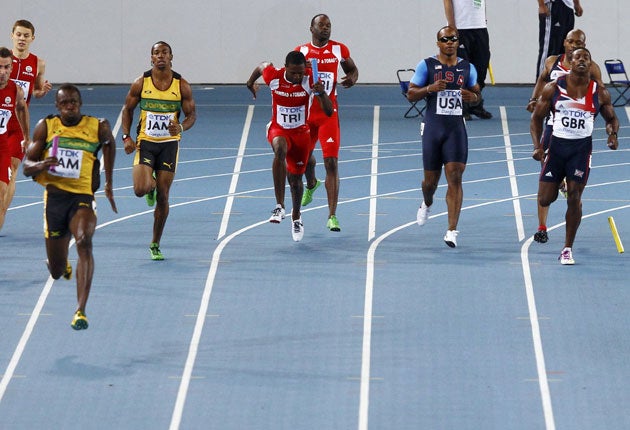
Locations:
(443, 131)
(572, 139)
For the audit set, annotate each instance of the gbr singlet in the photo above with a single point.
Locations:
(574, 118)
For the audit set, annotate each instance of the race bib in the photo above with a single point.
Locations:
(156, 124)
(327, 79)
(5, 116)
(69, 166)
(25, 85)
(449, 102)
(573, 123)
(290, 117)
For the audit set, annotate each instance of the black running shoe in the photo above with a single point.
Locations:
(541, 236)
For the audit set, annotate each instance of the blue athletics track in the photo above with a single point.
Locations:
(379, 326)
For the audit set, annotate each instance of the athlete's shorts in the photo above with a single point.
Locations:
(326, 130)
(299, 146)
(158, 155)
(59, 209)
(15, 144)
(443, 144)
(569, 159)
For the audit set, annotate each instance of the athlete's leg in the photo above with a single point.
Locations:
(3, 208)
(332, 183)
(57, 254)
(311, 178)
(429, 185)
(573, 216)
(453, 171)
(143, 181)
(297, 189)
(279, 167)
(164, 179)
(8, 197)
(82, 226)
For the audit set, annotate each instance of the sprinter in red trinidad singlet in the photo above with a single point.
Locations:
(330, 55)
(28, 74)
(574, 100)
(288, 132)
(556, 66)
(447, 82)
(12, 105)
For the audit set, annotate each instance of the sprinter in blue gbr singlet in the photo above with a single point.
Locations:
(446, 81)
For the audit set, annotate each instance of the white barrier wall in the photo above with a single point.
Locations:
(221, 41)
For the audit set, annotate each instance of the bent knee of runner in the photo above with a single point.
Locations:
(84, 242)
(56, 270)
(141, 191)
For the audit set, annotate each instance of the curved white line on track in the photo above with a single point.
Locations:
(201, 318)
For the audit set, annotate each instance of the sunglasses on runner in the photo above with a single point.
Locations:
(445, 39)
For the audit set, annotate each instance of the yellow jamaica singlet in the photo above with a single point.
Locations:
(77, 152)
(158, 108)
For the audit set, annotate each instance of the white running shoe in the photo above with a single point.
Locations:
(566, 257)
(451, 238)
(277, 214)
(423, 214)
(297, 230)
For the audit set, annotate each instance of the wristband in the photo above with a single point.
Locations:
(614, 133)
(533, 99)
(125, 137)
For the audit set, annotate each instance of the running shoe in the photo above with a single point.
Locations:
(156, 254)
(297, 230)
(451, 238)
(541, 235)
(333, 224)
(423, 214)
(480, 112)
(151, 195)
(307, 197)
(277, 215)
(68, 273)
(79, 322)
(566, 257)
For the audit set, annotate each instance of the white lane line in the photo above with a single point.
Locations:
(28, 330)
(364, 397)
(543, 382)
(236, 172)
(518, 215)
(374, 174)
(201, 318)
